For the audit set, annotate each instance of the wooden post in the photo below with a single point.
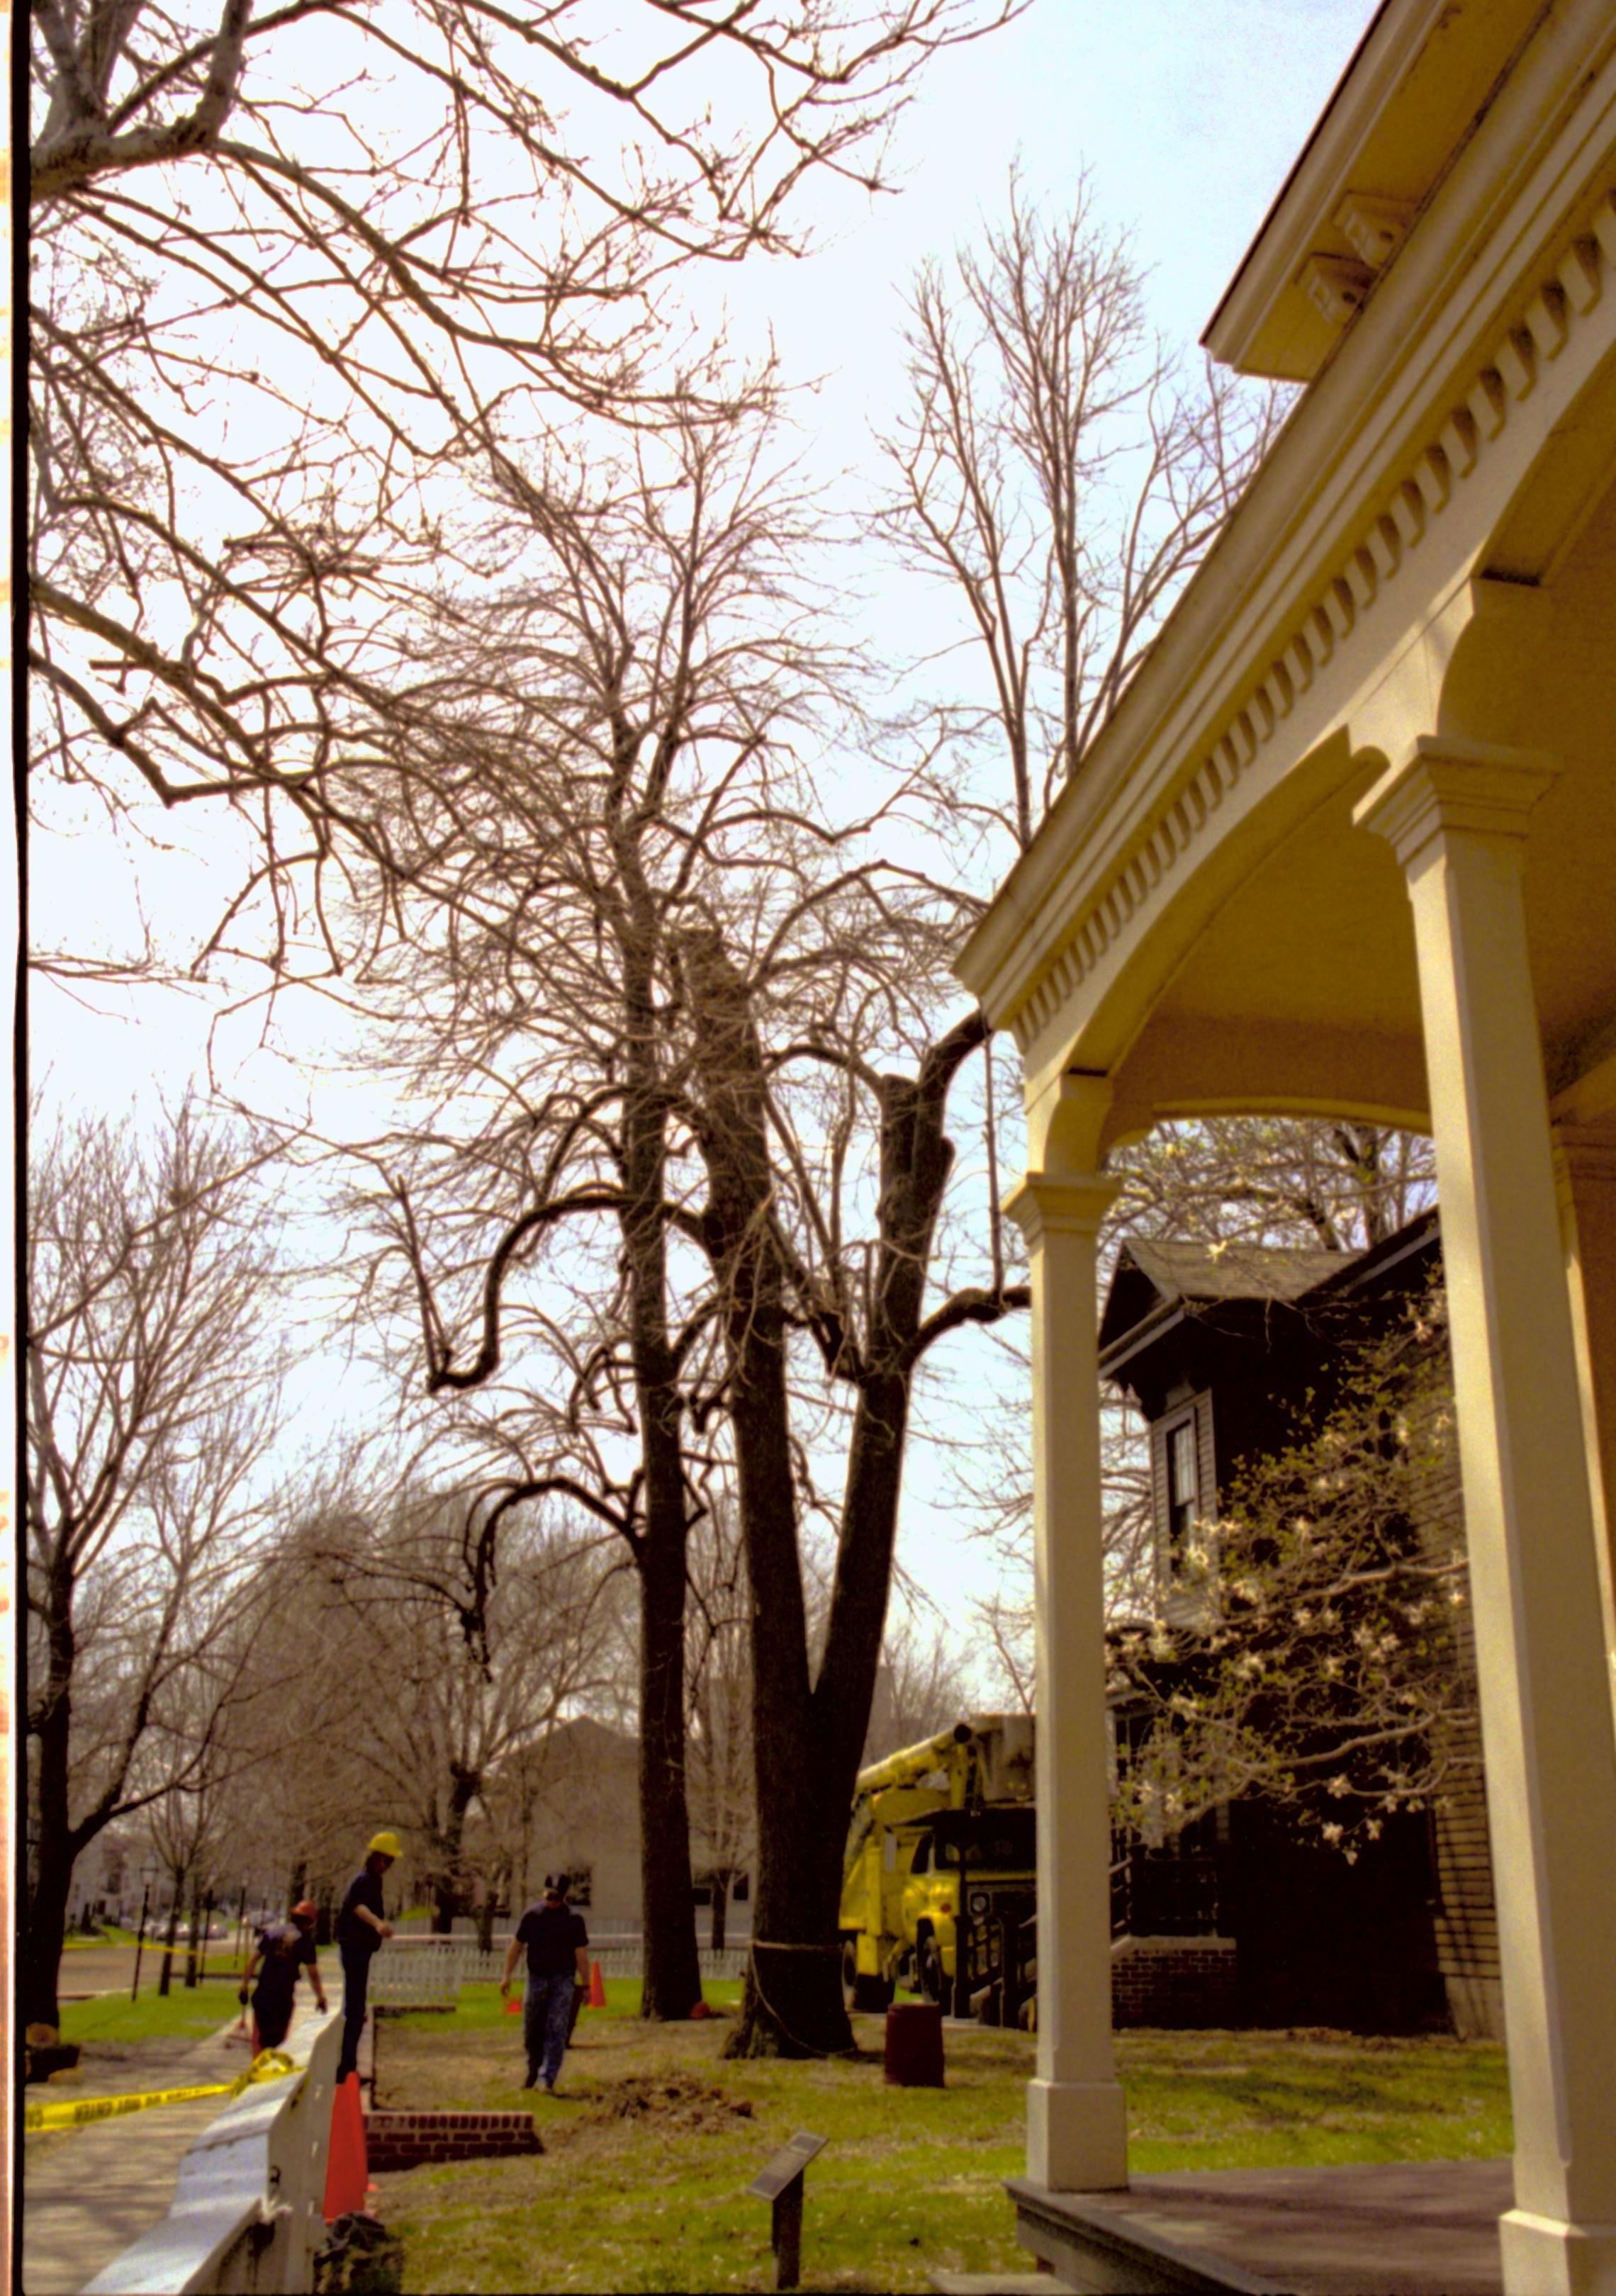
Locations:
(780, 2183)
(166, 1976)
(788, 2235)
(140, 1938)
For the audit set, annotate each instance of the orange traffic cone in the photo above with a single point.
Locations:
(347, 2172)
(597, 1989)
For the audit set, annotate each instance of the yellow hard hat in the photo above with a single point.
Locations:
(386, 1843)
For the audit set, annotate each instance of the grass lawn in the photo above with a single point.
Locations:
(113, 2017)
(642, 2185)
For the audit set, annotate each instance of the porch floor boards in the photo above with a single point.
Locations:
(1427, 2229)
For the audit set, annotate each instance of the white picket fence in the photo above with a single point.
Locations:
(427, 1972)
(248, 2213)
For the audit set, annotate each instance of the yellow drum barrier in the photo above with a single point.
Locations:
(269, 2064)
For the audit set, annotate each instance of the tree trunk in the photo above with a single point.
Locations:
(51, 1883)
(672, 1980)
(791, 2005)
(448, 1882)
(166, 1975)
(808, 1737)
(720, 1907)
(47, 1929)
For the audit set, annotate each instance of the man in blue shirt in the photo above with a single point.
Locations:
(362, 1925)
(558, 1959)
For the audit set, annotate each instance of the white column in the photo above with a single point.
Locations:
(1585, 1166)
(1457, 816)
(1076, 2134)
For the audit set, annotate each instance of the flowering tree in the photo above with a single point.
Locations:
(1330, 1668)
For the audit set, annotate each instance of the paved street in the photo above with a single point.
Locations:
(110, 1968)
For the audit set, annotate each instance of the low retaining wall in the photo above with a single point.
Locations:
(1174, 1981)
(248, 2212)
(413, 2140)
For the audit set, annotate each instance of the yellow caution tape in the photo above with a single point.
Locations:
(269, 2064)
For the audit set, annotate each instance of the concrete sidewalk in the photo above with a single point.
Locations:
(88, 2193)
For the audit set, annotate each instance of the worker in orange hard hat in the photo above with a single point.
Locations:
(362, 1928)
(282, 1949)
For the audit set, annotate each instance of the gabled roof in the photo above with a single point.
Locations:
(1155, 1281)
(1152, 1278)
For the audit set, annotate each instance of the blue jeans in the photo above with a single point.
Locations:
(546, 2012)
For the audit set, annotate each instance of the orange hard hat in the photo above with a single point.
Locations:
(306, 1910)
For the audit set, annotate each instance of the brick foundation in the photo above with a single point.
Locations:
(1173, 1981)
(414, 2140)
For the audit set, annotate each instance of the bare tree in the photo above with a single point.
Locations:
(418, 1735)
(627, 676)
(920, 1689)
(150, 1409)
(640, 851)
(1060, 475)
(292, 266)
(791, 1265)
(1335, 1187)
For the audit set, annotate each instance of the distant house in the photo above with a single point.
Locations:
(105, 1888)
(1221, 1347)
(570, 1802)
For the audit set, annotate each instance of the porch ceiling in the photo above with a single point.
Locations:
(1300, 990)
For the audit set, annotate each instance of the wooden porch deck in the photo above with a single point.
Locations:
(1427, 2229)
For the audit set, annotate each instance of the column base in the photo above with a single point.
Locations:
(1077, 2137)
(1543, 2256)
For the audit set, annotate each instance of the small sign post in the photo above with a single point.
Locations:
(779, 2182)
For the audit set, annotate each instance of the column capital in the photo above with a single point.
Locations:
(1442, 783)
(1061, 1203)
(1584, 1148)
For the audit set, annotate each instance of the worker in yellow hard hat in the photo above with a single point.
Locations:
(362, 1928)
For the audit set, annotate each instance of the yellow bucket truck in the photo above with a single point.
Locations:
(941, 1866)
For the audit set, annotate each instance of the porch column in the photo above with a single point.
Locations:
(1585, 1166)
(1457, 816)
(1077, 2135)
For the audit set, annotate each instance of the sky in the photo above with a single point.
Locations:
(1187, 115)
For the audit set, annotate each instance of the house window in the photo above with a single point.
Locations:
(743, 1889)
(1183, 1489)
(581, 1887)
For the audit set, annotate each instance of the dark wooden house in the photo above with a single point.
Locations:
(1238, 1918)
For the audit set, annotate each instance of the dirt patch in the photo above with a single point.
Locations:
(692, 2107)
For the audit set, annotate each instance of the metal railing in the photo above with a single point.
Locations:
(248, 2212)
